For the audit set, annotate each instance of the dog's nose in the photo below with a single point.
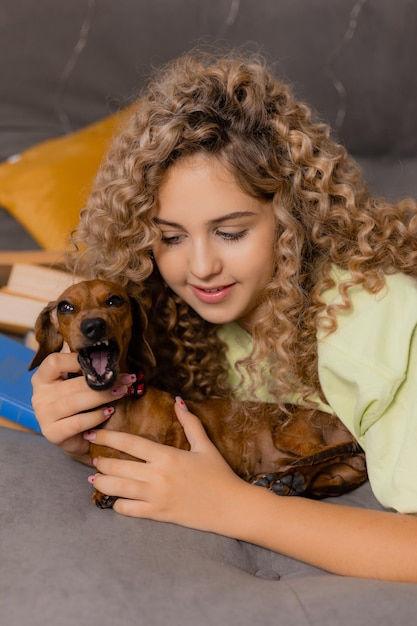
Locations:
(94, 328)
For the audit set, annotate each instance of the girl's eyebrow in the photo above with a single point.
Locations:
(230, 216)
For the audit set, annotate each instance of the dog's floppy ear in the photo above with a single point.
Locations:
(140, 347)
(47, 335)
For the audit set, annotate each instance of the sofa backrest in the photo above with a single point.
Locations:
(64, 64)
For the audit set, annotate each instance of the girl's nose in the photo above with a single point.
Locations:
(204, 261)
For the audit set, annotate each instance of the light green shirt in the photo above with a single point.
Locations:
(368, 373)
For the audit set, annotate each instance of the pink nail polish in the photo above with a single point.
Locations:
(181, 403)
(91, 479)
(90, 435)
(127, 379)
(108, 411)
(119, 391)
(94, 462)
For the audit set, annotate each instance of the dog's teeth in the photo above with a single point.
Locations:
(101, 343)
(108, 375)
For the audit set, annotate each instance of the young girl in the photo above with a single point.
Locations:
(269, 272)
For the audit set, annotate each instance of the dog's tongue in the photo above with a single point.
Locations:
(99, 361)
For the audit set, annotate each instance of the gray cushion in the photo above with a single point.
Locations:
(63, 561)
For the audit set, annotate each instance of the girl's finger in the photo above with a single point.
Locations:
(121, 487)
(123, 468)
(133, 508)
(65, 428)
(69, 397)
(193, 428)
(52, 406)
(138, 447)
(56, 366)
(147, 450)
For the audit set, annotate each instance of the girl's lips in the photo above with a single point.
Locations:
(212, 295)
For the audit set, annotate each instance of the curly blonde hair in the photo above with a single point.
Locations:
(232, 109)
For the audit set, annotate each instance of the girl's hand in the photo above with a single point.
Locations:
(194, 488)
(64, 407)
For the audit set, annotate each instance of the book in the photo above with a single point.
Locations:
(36, 281)
(18, 313)
(27, 290)
(9, 257)
(15, 383)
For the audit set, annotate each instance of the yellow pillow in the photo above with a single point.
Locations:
(46, 186)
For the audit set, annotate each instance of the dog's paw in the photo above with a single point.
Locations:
(293, 484)
(104, 502)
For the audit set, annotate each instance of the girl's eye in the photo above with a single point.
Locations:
(171, 241)
(232, 236)
(226, 236)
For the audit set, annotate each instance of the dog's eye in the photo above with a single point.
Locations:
(65, 307)
(115, 301)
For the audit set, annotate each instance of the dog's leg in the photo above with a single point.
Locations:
(104, 502)
(292, 484)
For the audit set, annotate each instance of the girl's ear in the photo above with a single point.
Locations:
(47, 335)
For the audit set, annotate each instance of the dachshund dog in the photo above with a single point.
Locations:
(305, 452)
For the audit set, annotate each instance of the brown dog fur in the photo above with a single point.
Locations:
(306, 452)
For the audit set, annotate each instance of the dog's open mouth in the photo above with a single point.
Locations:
(98, 363)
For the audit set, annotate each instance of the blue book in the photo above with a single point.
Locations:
(15, 383)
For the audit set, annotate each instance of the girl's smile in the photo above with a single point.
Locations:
(216, 247)
(213, 295)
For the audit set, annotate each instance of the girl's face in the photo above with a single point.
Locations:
(216, 247)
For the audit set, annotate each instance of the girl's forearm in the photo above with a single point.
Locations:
(343, 540)
(203, 493)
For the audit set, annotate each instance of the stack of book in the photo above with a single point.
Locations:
(15, 385)
(27, 290)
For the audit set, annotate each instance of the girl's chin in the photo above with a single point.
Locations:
(215, 315)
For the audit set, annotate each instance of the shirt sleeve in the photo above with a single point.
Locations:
(368, 373)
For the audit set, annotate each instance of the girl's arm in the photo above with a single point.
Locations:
(199, 490)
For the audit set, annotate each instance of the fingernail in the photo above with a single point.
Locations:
(120, 390)
(91, 479)
(127, 379)
(90, 435)
(181, 403)
(108, 411)
(95, 461)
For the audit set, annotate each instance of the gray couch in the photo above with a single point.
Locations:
(65, 64)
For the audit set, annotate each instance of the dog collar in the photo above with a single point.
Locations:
(137, 389)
